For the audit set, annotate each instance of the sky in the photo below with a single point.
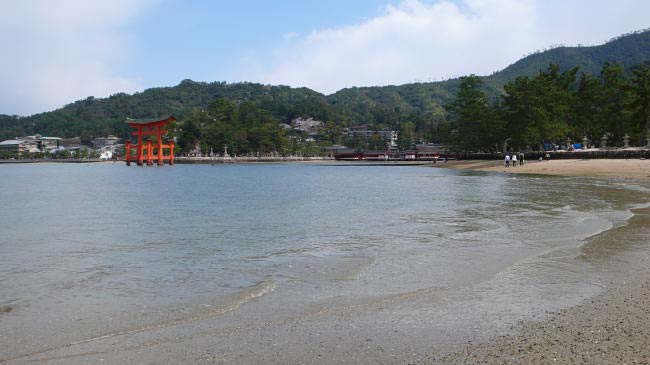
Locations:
(56, 52)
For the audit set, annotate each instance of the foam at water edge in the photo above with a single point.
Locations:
(629, 214)
(250, 293)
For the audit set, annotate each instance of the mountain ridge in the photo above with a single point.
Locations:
(378, 105)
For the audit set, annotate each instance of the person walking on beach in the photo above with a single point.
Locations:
(514, 160)
(507, 160)
(521, 159)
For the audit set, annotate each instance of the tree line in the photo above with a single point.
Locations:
(551, 107)
(241, 128)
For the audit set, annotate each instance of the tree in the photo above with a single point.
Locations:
(474, 122)
(405, 138)
(639, 104)
(244, 128)
(332, 132)
(613, 115)
(191, 131)
(539, 109)
(588, 109)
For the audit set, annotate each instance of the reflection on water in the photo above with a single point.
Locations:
(154, 248)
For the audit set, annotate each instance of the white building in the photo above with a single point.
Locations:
(101, 142)
(106, 155)
(50, 143)
(310, 126)
(365, 131)
(14, 145)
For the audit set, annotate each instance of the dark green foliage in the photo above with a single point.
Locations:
(613, 118)
(474, 122)
(589, 108)
(554, 107)
(100, 117)
(639, 104)
(244, 128)
(6, 155)
(406, 136)
(628, 50)
(381, 107)
(539, 109)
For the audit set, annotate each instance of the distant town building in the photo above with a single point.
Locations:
(14, 145)
(50, 143)
(196, 151)
(101, 142)
(309, 126)
(37, 143)
(428, 150)
(365, 131)
(106, 155)
(359, 131)
(336, 149)
(68, 143)
(432, 148)
(33, 143)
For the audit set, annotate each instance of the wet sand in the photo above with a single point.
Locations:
(633, 168)
(612, 328)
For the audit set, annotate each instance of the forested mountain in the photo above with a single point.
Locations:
(92, 116)
(388, 106)
(554, 108)
(628, 50)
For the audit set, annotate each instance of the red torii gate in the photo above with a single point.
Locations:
(145, 152)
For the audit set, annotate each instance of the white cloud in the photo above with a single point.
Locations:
(289, 36)
(55, 52)
(419, 40)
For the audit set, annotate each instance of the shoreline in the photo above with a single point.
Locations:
(619, 168)
(610, 328)
(320, 161)
(181, 160)
(63, 160)
(637, 169)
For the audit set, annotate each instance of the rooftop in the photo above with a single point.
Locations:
(109, 137)
(10, 142)
(169, 118)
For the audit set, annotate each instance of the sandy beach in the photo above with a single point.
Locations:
(612, 328)
(632, 168)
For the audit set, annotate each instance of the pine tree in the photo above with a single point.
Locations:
(639, 104)
(613, 115)
(588, 109)
(474, 124)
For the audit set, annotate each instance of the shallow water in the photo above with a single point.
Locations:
(267, 257)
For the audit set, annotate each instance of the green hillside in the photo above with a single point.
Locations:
(92, 116)
(388, 106)
(629, 50)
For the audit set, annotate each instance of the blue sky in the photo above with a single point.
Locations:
(56, 52)
(212, 40)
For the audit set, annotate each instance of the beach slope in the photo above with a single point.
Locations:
(612, 328)
(636, 169)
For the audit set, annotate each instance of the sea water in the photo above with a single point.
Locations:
(289, 261)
